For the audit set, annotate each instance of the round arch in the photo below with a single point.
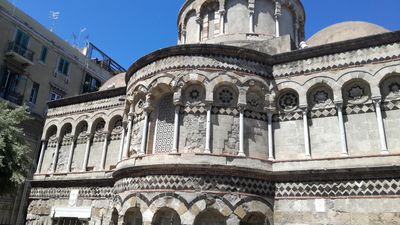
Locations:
(210, 216)
(166, 215)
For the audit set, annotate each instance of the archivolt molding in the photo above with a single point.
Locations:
(339, 60)
(384, 72)
(230, 206)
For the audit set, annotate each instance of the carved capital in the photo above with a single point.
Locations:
(198, 19)
(278, 9)
(339, 104)
(377, 99)
(304, 108)
(241, 107)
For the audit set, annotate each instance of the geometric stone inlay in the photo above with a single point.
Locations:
(84, 192)
(339, 188)
(196, 183)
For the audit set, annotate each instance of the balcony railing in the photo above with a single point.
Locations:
(20, 50)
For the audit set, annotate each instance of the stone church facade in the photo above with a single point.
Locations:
(241, 123)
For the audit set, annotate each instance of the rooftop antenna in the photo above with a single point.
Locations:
(54, 15)
(80, 34)
(15, 6)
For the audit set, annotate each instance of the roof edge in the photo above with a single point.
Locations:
(198, 49)
(87, 97)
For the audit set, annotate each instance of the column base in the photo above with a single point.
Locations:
(207, 152)
(344, 155)
(241, 155)
(271, 159)
(308, 157)
(385, 152)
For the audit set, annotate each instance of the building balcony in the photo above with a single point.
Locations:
(20, 54)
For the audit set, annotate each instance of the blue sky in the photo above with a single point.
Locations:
(129, 29)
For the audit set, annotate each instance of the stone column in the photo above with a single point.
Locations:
(198, 20)
(121, 146)
(145, 132)
(296, 33)
(306, 134)
(271, 155)
(183, 36)
(221, 21)
(104, 153)
(251, 21)
(277, 15)
(343, 139)
(87, 150)
(42, 149)
(71, 154)
(381, 128)
(176, 130)
(128, 134)
(55, 159)
(241, 132)
(207, 148)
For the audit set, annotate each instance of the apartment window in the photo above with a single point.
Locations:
(63, 66)
(22, 39)
(55, 95)
(91, 84)
(43, 54)
(34, 93)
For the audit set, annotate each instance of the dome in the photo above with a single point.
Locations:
(116, 81)
(345, 31)
(239, 21)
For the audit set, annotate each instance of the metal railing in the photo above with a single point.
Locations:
(20, 50)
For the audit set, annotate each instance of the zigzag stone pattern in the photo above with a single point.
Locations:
(374, 187)
(86, 106)
(198, 183)
(216, 62)
(356, 57)
(339, 188)
(84, 192)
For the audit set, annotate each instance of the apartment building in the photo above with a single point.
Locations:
(37, 66)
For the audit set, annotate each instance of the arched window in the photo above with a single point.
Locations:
(288, 101)
(320, 97)
(356, 92)
(390, 87)
(254, 219)
(226, 96)
(210, 216)
(133, 217)
(166, 216)
(194, 94)
(209, 16)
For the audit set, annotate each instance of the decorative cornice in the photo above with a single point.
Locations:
(87, 97)
(104, 103)
(206, 52)
(203, 62)
(338, 60)
(338, 188)
(196, 183)
(336, 55)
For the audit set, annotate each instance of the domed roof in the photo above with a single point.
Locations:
(345, 31)
(116, 81)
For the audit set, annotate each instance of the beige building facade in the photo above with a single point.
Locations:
(37, 66)
(242, 123)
